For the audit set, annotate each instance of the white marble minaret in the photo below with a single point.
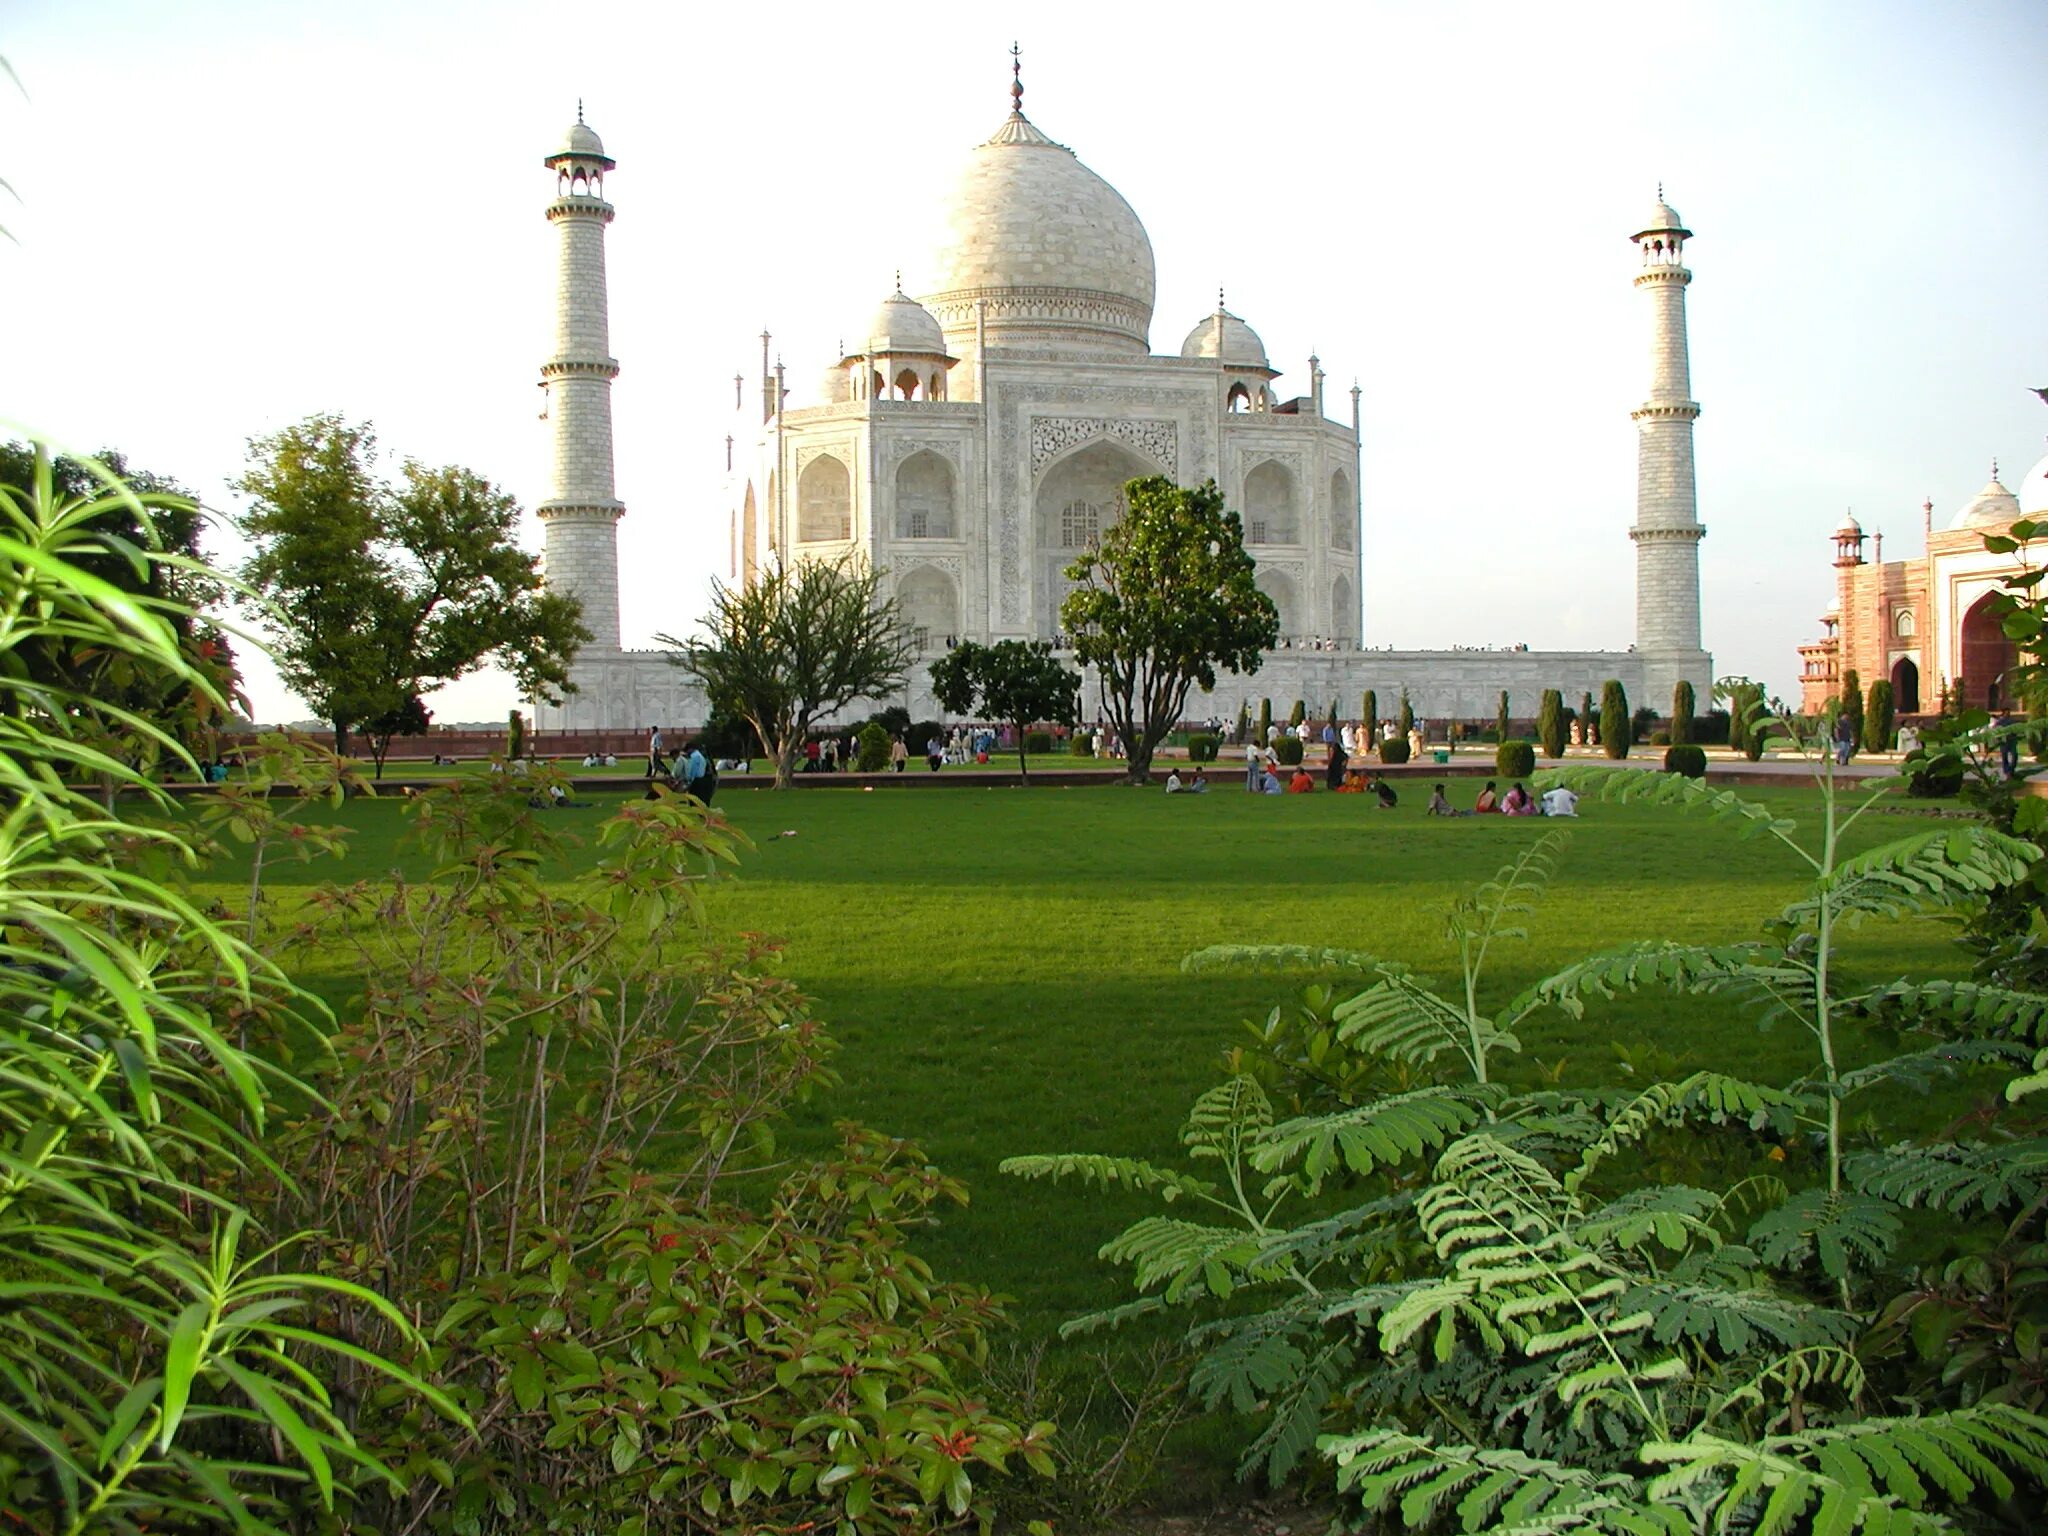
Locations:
(1667, 529)
(581, 514)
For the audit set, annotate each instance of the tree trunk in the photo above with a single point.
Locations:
(1023, 767)
(785, 764)
(340, 738)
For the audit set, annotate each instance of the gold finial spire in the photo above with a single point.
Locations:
(899, 281)
(1219, 298)
(1016, 80)
(579, 109)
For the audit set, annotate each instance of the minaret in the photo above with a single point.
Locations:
(1667, 529)
(581, 514)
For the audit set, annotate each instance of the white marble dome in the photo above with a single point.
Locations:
(1057, 254)
(1991, 506)
(835, 386)
(580, 141)
(1227, 339)
(901, 324)
(2033, 492)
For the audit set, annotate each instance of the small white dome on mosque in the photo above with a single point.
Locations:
(2033, 492)
(1664, 220)
(1227, 339)
(901, 324)
(835, 386)
(1991, 506)
(580, 142)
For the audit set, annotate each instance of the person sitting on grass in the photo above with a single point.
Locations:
(1560, 802)
(1488, 802)
(1440, 805)
(1385, 791)
(1269, 784)
(1301, 783)
(1515, 802)
(1199, 784)
(1173, 783)
(1354, 782)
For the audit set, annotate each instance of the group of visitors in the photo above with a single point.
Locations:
(1196, 783)
(1516, 802)
(690, 772)
(599, 760)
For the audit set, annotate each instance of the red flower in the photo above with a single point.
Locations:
(956, 1447)
(666, 1241)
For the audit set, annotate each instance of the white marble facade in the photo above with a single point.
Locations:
(972, 442)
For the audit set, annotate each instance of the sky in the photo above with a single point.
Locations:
(229, 216)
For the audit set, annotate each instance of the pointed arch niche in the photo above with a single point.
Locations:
(1079, 498)
(925, 506)
(1270, 506)
(930, 600)
(1343, 513)
(1280, 587)
(824, 502)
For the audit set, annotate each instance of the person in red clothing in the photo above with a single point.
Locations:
(1301, 783)
(1488, 803)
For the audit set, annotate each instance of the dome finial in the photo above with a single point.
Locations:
(899, 279)
(579, 109)
(1219, 298)
(1994, 466)
(1660, 191)
(1016, 80)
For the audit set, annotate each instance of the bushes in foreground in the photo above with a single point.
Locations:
(1514, 760)
(1688, 760)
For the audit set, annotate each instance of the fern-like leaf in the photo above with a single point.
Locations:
(1228, 1119)
(1959, 1007)
(1405, 1022)
(1843, 1229)
(1733, 1322)
(1673, 1216)
(1368, 1137)
(1923, 873)
(1952, 1177)
(1109, 1173)
(1189, 1259)
(1920, 1070)
(1711, 1096)
(1745, 969)
(1496, 1488)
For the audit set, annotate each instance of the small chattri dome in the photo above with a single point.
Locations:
(580, 142)
(1664, 220)
(1850, 529)
(2033, 492)
(901, 324)
(1991, 506)
(1226, 339)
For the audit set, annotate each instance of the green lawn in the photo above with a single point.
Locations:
(1001, 966)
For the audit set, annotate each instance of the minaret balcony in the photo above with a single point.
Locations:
(1684, 533)
(582, 208)
(1666, 410)
(580, 368)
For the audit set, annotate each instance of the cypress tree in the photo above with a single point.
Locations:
(1738, 723)
(1615, 727)
(1877, 717)
(515, 736)
(1407, 721)
(1371, 717)
(1265, 720)
(1550, 723)
(1500, 719)
(1587, 718)
(1757, 735)
(1682, 702)
(1244, 720)
(1852, 704)
(1297, 714)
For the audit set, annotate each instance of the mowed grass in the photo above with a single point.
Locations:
(1001, 967)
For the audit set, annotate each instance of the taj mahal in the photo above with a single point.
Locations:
(976, 435)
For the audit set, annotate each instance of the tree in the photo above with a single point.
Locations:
(1016, 681)
(1500, 719)
(1265, 720)
(376, 593)
(1550, 723)
(1587, 719)
(797, 645)
(1164, 599)
(1370, 718)
(1877, 717)
(1407, 716)
(1616, 729)
(1297, 714)
(1851, 703)
(1682, 705)
(410, 719)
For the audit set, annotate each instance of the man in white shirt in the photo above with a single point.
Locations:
(1560, 802)
(1173, 784)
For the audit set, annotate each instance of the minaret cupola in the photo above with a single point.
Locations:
(579, 165)
(1849, 541)
(904, 356)
(1239, 354)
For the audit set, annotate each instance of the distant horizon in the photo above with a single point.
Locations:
(1437, 201)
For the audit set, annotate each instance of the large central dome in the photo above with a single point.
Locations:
(1057, 257)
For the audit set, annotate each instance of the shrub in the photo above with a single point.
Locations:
(872, 755)
(1686, 759)
(515, 736)
(1202, 748)
(1288, 750)
(1614, 721)
(1587, 715)
(894, 721)
(1682, 705)
(1932, 775)
(1407, 715)
(1550, 723)
(1265, 720)
(1081, 743)
(1514, 759)
(1660, 738)
(1878, 717)
(1371, 718)
(1851, 704)
(1297, 714)
(1394, 749)
(1712, 728)
(1038, 742)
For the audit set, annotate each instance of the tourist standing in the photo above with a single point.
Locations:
(1254, 766)
(656, 768)
(1845, 740)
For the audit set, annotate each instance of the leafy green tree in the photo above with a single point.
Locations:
(515, 735)
(1405, 722)
(1164, 599)
(410, 719)
(1370, 716)
(1587, 720)
(1877, 717)
(1616, 729)
(795, 646)
(1682, 706)
(1297, 714)
(374, 593)
(1500, 718)
(1265, 720)
(1018, 682)
(1550, 726)
(1850, 704)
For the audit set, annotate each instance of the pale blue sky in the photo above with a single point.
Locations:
(233, 215)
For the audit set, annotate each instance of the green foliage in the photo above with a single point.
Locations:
(1496, 1309)
(1202, 747)
(1369, 712)
(1878, 717)
(1683, 705)
(1297, 714)
(873, 748)
(1587, 719)
(1165, 598)
(1550, 724)
(374, 593)
(1690, 761)
(1288, 749)
(796, 645)
(1616, 729)
(1501, 722)
(1393, 750)
(515, 736)
(1014, 681)
(1850, 704)
(159, 1369)
(1081, 744)
(1265, 719)
(1039, 742)
(1514, 759)
(1405, 721)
